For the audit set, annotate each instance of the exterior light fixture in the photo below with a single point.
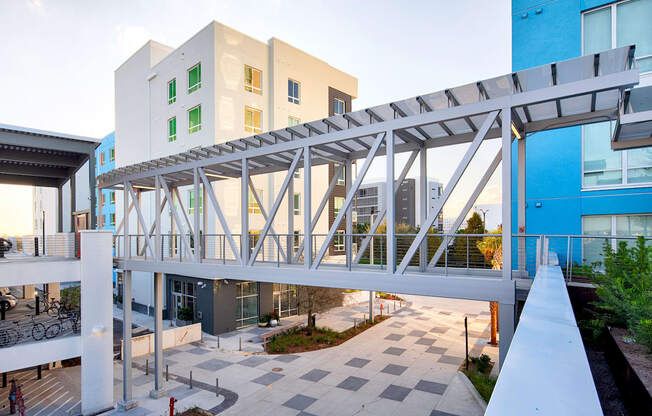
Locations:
(516, 132)
(212, 175)
(99, 329)
(144, 187)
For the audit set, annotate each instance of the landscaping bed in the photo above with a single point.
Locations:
(632, 368)
(479, 374)
(195, 411)
(299, 340)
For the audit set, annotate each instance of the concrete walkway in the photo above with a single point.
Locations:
(406, 365)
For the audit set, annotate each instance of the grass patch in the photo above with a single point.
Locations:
(478, 373)
(299, 340)
(195, 411)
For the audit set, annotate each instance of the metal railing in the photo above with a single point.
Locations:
(445, 252)
(55, 245)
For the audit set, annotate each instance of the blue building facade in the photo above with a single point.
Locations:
(105, 161)
(575, 183)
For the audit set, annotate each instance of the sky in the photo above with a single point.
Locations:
(58, 57)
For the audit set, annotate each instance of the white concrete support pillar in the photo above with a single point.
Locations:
(290, 238)
(390, 203)
(244, 212)
(73, 202)
(372, 305)
(521, 203)
(348, 241)
(424, 204)
(307, 211)
(97, 321)
(127, 401)
(158, 391)
(506, 327)
(507, 192)
(60, 209)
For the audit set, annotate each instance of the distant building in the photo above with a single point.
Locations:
(370, 200)
(105, 157)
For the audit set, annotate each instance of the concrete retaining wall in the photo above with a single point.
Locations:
(144, 345)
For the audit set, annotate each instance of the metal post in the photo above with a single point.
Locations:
(521, 202)
(147, 367)
(4, 380)
(372, 298)
(466, 340)
(190, 380)
(167, 373)
(125, 222)
(217, 386)
(307, 210)
(197, 240)
(390, 202)
(244, 211)
(127, 402)
(348, 239)
(424, 204)
(43, 220)
(507, 192)
(290, 238)
(158, 337)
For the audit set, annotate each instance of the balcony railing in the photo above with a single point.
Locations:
(51, 245)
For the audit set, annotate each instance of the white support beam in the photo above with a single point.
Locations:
(216, 206)
(390, 203)
(424, 204)
(307, 211)
(507, 192)
(459, 171)
(191, 229)
(467, 207)
(152, 229)
(349, 198)
(198, 240)
(244, 211)
(263, 212)
(348, 239)
(275, 207)
(141, 220)
(175, 215)
(322, 205)
(125, 197)
(122, 221)
(290, 237)
(381, 215)
(521, 202)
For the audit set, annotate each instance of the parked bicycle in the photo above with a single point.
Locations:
(12, 334)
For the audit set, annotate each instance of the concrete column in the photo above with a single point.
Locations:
(91, 190)
(73, 203)
(127, 401)
(244, 212)
(290, 238)
(54, 291)
(372, 302)
(28, 292)
(307, 210)
(505, 330)
(60, 209)
(521, 203)
(97, 324)
(390, 202)
(158, 337)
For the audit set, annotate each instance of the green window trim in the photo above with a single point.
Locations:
(194, 119)
(112, 154)
(172, 129)
(172, 91)
(112, 197)
(194, 78)
(111, 219)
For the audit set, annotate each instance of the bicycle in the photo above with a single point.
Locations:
(56, 309)
(10, 336)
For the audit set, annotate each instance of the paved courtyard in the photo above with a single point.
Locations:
(406, 365)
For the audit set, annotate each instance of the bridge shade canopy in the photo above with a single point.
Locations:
(510, 90)
(41, 158)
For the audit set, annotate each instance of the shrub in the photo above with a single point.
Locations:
(624, 289)
(184, 314)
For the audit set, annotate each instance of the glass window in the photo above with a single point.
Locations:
(297, 204)
(191, 202)
(338, 203)
(285, 300)
(605, 225)
(340, 179)
(112, 154)
(338, 240)
(592, 247)
(297, 174)
(605, 167)
(294, 91)
(633, 27)
(194, 78)
(246, 304)
(339, 107)
(253, 80)
(297, 236)
(253, 120)
(597, 31)
(293, 121)
(172, 129)
(194, 119)
(112, 198)
(102, 199)
(172, 91)
(101, 158)
(112, 219)
(254, 208)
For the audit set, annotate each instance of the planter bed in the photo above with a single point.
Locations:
(631, 366)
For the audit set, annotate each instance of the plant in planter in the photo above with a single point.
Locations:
(269, 319)
(184, 316)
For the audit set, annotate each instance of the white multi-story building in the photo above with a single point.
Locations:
(370, 200)
(221, 85)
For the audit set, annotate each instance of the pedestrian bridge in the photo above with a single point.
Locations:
(508, 108)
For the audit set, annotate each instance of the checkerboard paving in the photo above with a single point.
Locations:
(357, 362)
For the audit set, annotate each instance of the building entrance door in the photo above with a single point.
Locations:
(177, 303)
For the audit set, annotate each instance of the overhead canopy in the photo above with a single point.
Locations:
(578, 91)
(634, 126)
(41, 158)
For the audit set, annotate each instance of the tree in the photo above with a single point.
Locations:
(474, 225)
(492, 249)
(312, 299)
